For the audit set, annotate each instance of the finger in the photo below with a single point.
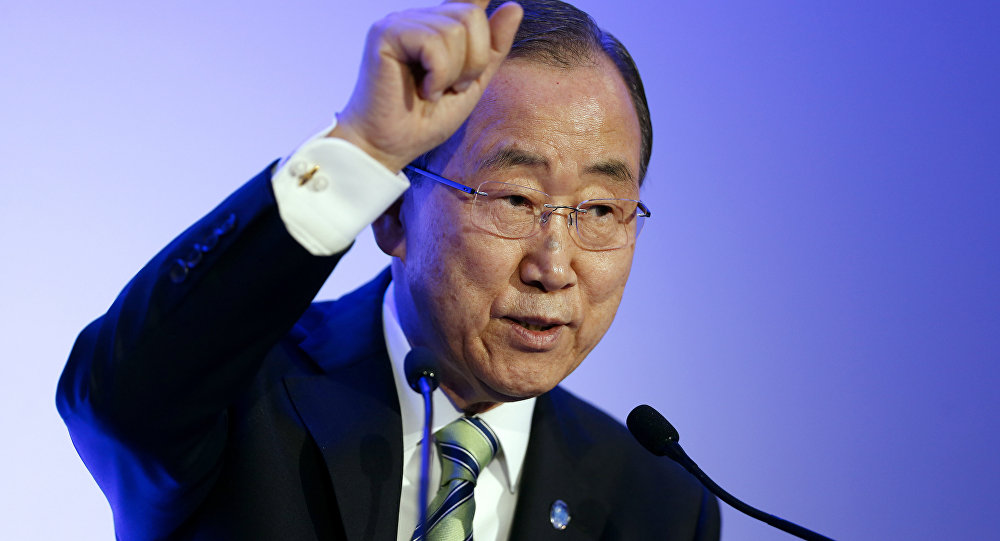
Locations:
(477, 48)
(503, 27)
(443, 69)
(480, 3)
(426, 50)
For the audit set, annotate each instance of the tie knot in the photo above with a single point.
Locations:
(466, 446)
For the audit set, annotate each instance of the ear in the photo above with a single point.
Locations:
(390, 233)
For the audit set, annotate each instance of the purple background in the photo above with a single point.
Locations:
(814, 303)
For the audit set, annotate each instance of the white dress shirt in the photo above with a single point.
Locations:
(327, 191)
(496, 488)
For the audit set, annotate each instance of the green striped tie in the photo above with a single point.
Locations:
(465, 447)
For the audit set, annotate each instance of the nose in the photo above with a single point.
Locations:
(549, 255)
(570, 214)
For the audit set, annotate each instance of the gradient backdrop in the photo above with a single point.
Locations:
(815, 302)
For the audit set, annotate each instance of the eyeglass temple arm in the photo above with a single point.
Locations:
(644, 209)
(472, 191)
(442, 180)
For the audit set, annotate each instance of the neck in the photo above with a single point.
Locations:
(467, 407)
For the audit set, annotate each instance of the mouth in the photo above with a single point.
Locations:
(535, 334)
(535, 325)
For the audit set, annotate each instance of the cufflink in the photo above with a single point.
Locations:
(307, 172)
(318, 183)
(559, 515)
(303, 172)
(298, 168)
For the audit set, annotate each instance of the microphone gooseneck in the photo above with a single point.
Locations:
(659, 437)
(420, 366)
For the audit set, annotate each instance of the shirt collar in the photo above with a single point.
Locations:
(510, 421)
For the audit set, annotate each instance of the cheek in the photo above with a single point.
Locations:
(462, 271)
(487, 261)
(483, 277)
(603, 283)
(603, 276)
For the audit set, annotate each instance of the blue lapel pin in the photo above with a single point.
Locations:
(559, 515)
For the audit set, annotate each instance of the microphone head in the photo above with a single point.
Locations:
(420, 363)
(652, 430)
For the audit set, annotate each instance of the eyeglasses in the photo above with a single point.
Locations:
(512, 211)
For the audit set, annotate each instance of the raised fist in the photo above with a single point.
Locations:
(422, 73)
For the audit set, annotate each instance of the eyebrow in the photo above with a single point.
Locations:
(615, 169)
(510, 156)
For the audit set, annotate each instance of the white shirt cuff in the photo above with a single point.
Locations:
(329, 190)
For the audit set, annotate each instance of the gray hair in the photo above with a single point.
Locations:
(560, 35)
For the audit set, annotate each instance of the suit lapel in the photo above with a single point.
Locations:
(352, 412)
(351, 409)
(556, 468)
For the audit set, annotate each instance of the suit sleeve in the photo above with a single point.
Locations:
(147, 385)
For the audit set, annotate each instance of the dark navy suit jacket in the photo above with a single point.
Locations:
(214, 401)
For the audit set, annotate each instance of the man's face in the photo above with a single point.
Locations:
(510, 318)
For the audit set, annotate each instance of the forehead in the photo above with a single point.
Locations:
(565, 128)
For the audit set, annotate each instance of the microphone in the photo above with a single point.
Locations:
(420, 364)
(659, 437)
(420, 367)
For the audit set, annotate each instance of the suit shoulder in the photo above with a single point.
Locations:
(606, 443)
(642, 496)
(599, 429)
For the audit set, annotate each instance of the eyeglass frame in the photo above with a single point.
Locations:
(543, 218)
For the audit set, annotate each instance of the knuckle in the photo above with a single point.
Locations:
(391, 20)
(476, 65)
(392, 24)
(436, 43)
(435, 52)
(454, 31)
(467, 14)
(379, 27)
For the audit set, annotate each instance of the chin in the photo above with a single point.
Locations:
(514, 376)
(521, 389)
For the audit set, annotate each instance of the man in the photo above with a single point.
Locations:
(212, 402)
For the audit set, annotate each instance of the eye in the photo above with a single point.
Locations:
(515, 200)
(600, 211)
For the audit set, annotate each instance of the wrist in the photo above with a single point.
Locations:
(344, 131)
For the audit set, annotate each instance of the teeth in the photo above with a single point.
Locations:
(532, 327)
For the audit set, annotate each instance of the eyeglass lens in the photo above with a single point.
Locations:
(513, 211)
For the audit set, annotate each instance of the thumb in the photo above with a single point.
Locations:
(503, 26)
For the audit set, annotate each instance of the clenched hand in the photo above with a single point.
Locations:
(422, 73)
